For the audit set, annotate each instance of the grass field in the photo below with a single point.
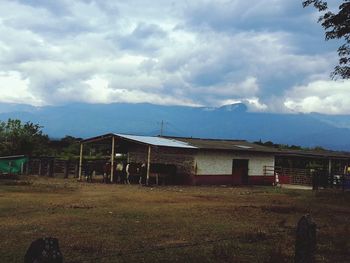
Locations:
(129, 223)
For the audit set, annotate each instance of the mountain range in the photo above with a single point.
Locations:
(227, 122)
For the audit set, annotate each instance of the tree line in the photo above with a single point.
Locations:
(18, 138)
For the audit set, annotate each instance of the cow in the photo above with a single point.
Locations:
(120, 172)
(106, 172)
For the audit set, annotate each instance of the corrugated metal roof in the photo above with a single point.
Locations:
(229, 145)
(157, 141)
(241, 145)
(218, 144)
(314, 153)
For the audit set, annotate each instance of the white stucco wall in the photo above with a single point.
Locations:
(220, 163)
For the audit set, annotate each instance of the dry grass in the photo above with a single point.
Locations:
(123, 223)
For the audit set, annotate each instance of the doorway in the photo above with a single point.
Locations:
(240, 170)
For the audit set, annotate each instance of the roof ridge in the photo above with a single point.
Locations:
(203, 139)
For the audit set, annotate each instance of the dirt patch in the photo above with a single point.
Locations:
(71, 206)
(172, 243)
(283, 209)
(98, 220)
(252, 236)
(15, 182)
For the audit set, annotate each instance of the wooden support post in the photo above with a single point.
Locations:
(48, 167)
(112, 158)
(54, 164)
(80, 161)
(66, 168)
(39, 169)
(148, 164)
(52, 168)
(330, 175)
(27, 167)
(345, 174)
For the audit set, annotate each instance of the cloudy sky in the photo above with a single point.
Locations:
(269, 54)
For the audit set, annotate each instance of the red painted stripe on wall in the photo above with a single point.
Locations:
(224, 179)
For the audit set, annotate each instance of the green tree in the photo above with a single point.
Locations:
(18, 138)
(337, 26)
(67, 147)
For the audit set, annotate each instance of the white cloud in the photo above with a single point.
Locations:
(15, 89)
(254, 104)
(324, 96)
(190, 53)
(100, 90)
(246, 88)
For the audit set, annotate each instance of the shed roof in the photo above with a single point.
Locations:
(218, 144)
(187, 143)
(228, 145)
(147, 140)
(313, 153)
(157, 141)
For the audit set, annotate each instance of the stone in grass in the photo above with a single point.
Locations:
(305, 243)
(44, 250)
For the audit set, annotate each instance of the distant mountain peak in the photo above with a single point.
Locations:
(237, 107)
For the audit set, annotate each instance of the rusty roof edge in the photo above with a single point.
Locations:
(203, 139)
(250, 147)
(329, 154)
(238, 150)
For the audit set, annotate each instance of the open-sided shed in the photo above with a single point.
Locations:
(197, 161)
(300, 166)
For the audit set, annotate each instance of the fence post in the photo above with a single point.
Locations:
(40, 167)
(27, 167)
(76, 169)
(305, 242)
(66, 168)
(315, 179)
(52, 167)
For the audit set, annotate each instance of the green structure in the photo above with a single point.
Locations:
(12, 164)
